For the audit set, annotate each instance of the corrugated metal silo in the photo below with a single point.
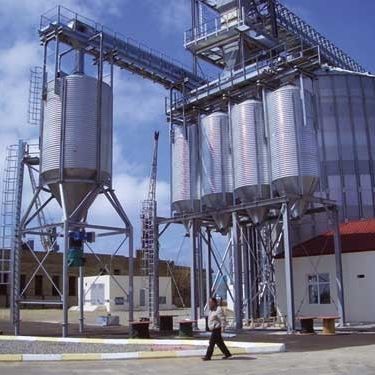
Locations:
(216, 165)
(293, 143)
(71, 144)
(185, 169)
(250, 156)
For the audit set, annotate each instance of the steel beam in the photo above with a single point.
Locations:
(289, 287)
(155, 276)
(238, 290)
(246, 273)
(81, 299)
(209, 266)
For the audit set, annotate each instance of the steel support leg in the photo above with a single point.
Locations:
(238, 289)
(288, 269)
(193, 270)
(200, 276)
(155, 282)
(338, 264)
(246, 273)
(209, 267)
(65, 289)
(253, 273)
(81, 299)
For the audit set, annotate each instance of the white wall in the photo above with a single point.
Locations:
(114, 293)
(359, 293)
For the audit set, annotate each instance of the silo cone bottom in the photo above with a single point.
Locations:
(257, 215)
(222, 222)
(75, 193)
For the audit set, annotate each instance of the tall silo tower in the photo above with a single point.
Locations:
(76, 137)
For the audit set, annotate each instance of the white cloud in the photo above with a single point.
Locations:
(137, 103)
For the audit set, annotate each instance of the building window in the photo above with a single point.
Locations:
(319, 289)
(162, 300)
(56, 281)
(38, 285)
(72, 286)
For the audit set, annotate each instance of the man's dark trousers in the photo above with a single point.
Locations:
(217, 339)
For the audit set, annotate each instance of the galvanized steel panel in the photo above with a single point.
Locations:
(216, 157)
(294, 152)
(185, 168)
(250, 152)
(76, 106)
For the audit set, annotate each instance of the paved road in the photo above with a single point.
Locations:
(345, 361)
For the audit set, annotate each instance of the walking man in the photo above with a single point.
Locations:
(216, 324)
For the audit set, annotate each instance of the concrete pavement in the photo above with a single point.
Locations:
(348, 361)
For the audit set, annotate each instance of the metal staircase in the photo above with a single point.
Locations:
(149, 238)
(11, 209)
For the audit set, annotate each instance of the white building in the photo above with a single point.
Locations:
(315, 275)
(111, 293)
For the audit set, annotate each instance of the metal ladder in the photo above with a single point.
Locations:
(148, 244)
(34, 111)
(11, 208)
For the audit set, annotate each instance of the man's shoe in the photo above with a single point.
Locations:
(206, 359)
(227, 356)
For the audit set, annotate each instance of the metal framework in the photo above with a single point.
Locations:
(264, 45)
(33, 222)
(62, 231)
(150, 247)
(247, 251)
(263, 24)
(78, 32)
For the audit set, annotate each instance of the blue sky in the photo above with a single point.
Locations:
(139, 104)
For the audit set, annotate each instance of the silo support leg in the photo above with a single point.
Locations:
(288, 260)
(193, 272)
(237, 259)
(338, 264)
(65, 293)
(81, 299)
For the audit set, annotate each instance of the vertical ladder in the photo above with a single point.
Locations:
(148, 243)
(10, 208)
(149, 237)
(34, 111)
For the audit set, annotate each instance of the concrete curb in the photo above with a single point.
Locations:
(236, 348)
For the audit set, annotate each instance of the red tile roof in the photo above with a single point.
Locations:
(356, 236)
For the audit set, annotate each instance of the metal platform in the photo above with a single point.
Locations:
(256, 25)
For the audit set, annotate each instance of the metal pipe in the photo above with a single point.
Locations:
(79, 62)
(99, 109)
(65, 288)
